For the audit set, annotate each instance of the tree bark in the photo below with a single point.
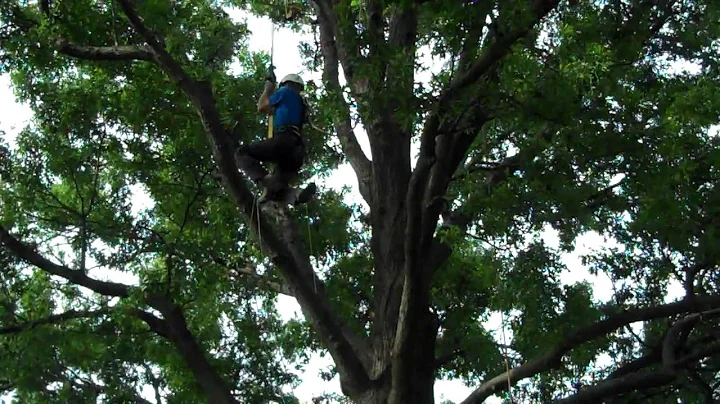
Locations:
(420, 363)
(399, 364)
(175, 328)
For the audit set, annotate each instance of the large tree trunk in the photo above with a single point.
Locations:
(422, 372)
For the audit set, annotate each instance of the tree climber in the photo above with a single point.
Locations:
(285, 146)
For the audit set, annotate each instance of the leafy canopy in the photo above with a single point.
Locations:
(581, 123)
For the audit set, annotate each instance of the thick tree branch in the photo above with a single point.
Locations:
(450, 150)
(439, 251)
(440, 154)
(420, 248)
(709, 350)
(349, 346)
(552, 359)
(297, 271)
(98, 53)
(494, 53)
(474, 28)
(111, 53)
(652, 358)
(163, 57)
(389, 144)
(402, 39)
(174, 327)
(343, 125)
(348, 58)
(674, 340)
(53, 319)
(29, 255)
(498, 50)
(376, 28)
(625, 384)
(156, 324)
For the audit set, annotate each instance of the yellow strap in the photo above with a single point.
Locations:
(270, 126)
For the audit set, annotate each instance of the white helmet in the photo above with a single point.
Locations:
(292, 78)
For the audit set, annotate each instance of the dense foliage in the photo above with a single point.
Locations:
(547, 117)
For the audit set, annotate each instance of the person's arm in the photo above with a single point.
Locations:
(264, 101)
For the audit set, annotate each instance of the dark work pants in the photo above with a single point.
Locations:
(285, 149)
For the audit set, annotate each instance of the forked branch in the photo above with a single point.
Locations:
(343, 124)
(298, 273)
(494, 53)
(173, 326)
(645, 380)
(632, 382)
(552, 359)
(29, 255)
(347, 56)
(430, 178)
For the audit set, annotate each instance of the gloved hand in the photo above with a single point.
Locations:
(271, 74)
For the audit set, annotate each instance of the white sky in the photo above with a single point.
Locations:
(14, 116)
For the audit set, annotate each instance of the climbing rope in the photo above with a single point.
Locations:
(505, 356)
(504, 346)
(272, 53)
(256, 208)
(307, 215)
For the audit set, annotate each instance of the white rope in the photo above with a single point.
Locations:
(257, 208)
(272, 56)
(307, 215)
(272, 41)
(505, 356)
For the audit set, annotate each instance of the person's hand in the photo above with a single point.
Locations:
(269, 86)
(271, 75)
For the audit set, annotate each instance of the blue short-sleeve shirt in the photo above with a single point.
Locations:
(288, 108)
